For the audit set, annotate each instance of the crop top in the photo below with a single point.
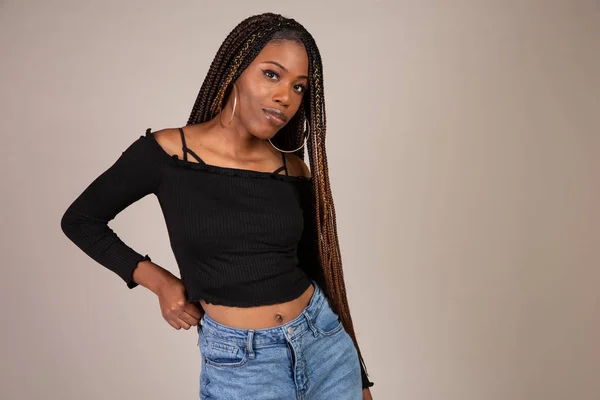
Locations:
(240, 237)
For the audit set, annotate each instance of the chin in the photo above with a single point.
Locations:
(265, 131)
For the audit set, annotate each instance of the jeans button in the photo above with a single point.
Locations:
(291, 330)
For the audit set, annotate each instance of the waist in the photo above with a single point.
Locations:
(259, 317)
(313, 298)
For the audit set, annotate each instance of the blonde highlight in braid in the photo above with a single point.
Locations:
(238, 49)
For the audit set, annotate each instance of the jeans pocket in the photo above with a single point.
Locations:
(220, 353)
(327, 322)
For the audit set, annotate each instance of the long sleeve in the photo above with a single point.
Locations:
(135, 174)
(308, 252)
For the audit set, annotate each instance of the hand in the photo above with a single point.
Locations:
(367, 394)
(175, 308)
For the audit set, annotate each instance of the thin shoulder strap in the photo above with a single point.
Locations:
(283, 167)
(188, 150)
(284, 162)
(184, 147)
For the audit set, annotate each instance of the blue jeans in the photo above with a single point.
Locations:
(310, 357)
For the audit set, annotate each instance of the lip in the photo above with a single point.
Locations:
(275, 116)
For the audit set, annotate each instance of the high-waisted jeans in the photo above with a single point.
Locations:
(311, 357)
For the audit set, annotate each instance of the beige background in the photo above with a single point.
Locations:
(464, 151)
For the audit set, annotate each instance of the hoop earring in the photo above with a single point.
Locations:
(232, 111)
(303, 143)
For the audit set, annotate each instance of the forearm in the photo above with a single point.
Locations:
(152, 276)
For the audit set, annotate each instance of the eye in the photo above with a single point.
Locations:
(268, 72)
(303, 88)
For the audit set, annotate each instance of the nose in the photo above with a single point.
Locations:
(282, 96)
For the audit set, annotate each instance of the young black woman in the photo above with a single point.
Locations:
(251, 226)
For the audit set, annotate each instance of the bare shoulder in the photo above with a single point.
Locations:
(297, 166)
(170, 140)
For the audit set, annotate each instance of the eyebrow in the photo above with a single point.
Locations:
(283, 68)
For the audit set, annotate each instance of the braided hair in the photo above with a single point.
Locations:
(236, 52)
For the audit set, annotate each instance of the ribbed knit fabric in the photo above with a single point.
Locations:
(240, 237)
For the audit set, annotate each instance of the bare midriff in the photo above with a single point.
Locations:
(259, 317)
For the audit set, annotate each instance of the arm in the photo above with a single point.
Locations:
(136, 173)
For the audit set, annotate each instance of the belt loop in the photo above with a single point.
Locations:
(310, 322)
(249, 343)
(199, 333)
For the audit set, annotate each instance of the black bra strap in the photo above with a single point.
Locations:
(283, 167)
(284, 162)
(188, 150)
(195, 156)
(184, 147)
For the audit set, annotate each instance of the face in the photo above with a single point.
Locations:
(276, 79)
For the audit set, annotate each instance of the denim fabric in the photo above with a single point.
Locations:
(311, 357)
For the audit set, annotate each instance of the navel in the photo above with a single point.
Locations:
(279, 318)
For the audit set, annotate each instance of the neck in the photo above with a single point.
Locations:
(235, 140)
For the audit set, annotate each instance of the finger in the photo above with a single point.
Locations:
(173, 324)
(194, 313)
(184, 324)
(193, 310)
(187, 318)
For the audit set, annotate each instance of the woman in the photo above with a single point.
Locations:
(253, 230)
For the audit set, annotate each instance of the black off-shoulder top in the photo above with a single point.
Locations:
(240, 237)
